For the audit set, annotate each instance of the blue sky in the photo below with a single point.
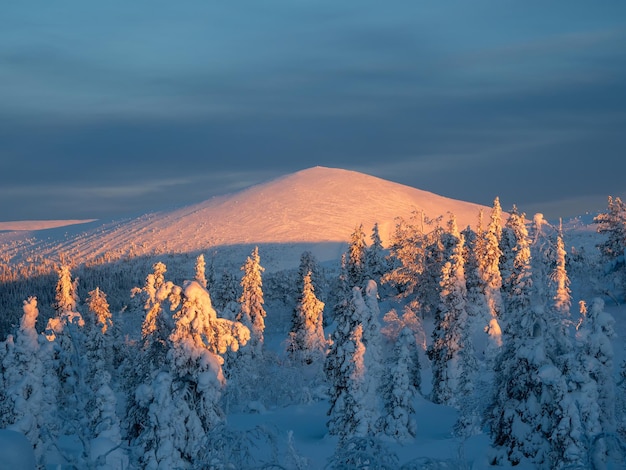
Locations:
(117, 108)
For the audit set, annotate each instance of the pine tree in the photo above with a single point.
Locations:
(252, 314)
(307, 341)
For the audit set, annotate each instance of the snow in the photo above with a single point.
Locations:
(16, 452)
(315, 209)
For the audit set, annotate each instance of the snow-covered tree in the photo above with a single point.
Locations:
(252, 313)
(102, 420)
(66, 297)
(356, 259)
(516, 267)
(451, 351)
(399, 390)
(155, 326)
(562, 298)
(596, 393)
(201, 271)
(27, 404)
(612, 225)
(307, 341)
(533, 414)
(308, 263)
(226, 291)
(180, 401)
(99, 307)
(351, 370)
(375, 261)
(488, 254)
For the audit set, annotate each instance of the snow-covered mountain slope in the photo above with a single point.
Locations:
(314, 206)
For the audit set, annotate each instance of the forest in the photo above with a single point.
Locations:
(137, 362)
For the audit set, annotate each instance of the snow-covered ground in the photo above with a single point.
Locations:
(316, 210)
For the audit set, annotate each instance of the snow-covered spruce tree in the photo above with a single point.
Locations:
(252, 313)
(488, 254)
(102, 420)
(226, 292)
(308, 263)
(67, 334)
(612, 224)
(306, 339)
(476, 300)
(201, 271)
(406, 254)
(356, 259)
(596, 394)
(375, 261)
(26, 403)
(394, 325)
(451, 352)
(399, 390)
(532, 415)
(342, 291)
(154, 325)
(181, 400)
(99, 306)
(515, 266)
(350, 370)
(562, 294)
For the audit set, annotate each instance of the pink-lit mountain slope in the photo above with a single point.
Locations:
(314, 206)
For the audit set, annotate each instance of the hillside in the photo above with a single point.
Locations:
(313, 206)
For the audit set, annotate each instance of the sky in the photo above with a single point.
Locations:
(114, 109)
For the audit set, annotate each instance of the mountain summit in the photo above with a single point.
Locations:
(315, 205)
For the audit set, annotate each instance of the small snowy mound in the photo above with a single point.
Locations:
(16, 453)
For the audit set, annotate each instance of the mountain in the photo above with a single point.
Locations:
(317, 206)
